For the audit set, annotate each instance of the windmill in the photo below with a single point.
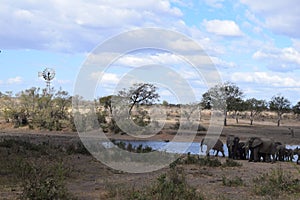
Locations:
(48, 75)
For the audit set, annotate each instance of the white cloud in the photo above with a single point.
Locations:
(265, 79)
(214, 3)
(285, 59)
(61, 81)
(222, 27)
(15, 80)
(77, 25)
(106, 78)
(222, 63)
(141, 59)
(281, 17)
(296, 44)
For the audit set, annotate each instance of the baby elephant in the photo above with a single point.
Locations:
(212, 143)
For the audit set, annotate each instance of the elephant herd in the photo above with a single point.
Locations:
(253, 149)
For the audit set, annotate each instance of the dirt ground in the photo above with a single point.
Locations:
(91, 179)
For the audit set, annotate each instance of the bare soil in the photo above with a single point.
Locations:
(93, 180)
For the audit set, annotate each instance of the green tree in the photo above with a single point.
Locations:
(165, 103)
(29, 101)
(237, 105)
(106, 102)
(9, 106)
(280, 105)
(223, 97)
(140, 93)
(296, 109)
(62, 101)
(255, 107)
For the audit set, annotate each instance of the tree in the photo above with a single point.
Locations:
(165, 103)
(62, 101)
(140, 93)
(9, 106)
(223, 97)
(106, 102)
(255, 107)
(296, 109)
(237, 105)
(29, 101)
(280, 105)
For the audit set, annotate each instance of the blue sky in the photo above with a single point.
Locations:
(255, 44)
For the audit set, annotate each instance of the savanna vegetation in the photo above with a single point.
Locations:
(34, 165)
(37, 108)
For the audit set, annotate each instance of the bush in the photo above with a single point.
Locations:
(20, 146)
(171, 185)
(231, 163)
(207, 161)
(201, 128)
(77, 149)
(191, 159)
(275, 183)
(174, 187)
(44, 182)
(113, 127)
(236, 181)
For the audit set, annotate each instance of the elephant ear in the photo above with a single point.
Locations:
(256, 142)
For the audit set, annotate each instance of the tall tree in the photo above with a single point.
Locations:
(280, 105)
(255, 107)
(222, 96)
(140, 93)
(296, 109)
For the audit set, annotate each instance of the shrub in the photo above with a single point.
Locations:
(236, 181)
(201, 128)
(44, 182)
(77, 149)
(191, 159)
(207, 161)
(173, 186)
(275, 183)
(231, 163)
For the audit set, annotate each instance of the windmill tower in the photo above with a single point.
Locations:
(48, 75)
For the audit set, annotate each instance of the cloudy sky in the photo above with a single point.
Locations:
(255, 44)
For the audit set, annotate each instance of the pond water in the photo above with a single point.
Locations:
(181, 147)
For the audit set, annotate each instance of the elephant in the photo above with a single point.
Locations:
(212, 143)
(261, 148)
(289, 154)
(242, 151)
(280, 151)
(232, 143)
(297, 152)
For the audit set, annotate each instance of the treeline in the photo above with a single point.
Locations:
(41, 109)
(229, 97)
